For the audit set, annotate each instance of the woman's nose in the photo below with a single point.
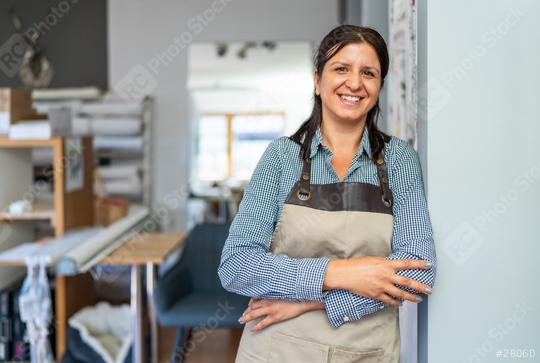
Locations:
(354, 82)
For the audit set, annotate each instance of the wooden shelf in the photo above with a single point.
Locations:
(72, 209)
(41, 211)
(7, 142)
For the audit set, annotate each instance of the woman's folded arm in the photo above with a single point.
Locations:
(247, 267)
(412, 238)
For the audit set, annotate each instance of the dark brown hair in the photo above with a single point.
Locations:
(332, 43)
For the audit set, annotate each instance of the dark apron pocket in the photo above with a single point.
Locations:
(347, 356)
(288, 349)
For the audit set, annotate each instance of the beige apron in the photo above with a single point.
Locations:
(337, 221)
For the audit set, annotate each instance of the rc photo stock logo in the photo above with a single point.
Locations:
(11, 55)
(136, 84)
(463, 242)
(437, 94)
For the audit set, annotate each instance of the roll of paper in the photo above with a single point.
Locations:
(90, 252)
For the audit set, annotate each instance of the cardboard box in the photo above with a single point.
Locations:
(16, 105)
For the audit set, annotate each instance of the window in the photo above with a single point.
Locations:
(230, 145)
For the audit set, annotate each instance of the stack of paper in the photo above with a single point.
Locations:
(123, 180)
(57, 123)
(131, 143)
(66, 93)
(116, 126)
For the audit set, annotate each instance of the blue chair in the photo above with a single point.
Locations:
(190, 294)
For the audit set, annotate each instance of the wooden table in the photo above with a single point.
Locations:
(149, 249)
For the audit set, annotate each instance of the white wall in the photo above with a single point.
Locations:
(142, 35)
(483, 177)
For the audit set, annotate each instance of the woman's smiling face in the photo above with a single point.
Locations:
(350, 83)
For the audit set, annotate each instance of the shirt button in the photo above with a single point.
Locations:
(346, 318)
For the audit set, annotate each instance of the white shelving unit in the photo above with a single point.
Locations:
(87, 113)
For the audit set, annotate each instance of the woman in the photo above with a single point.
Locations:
(333, 232)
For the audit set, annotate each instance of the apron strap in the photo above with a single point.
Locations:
(382, 174)
(304, 192)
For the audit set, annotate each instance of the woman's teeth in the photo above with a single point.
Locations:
(350, 98)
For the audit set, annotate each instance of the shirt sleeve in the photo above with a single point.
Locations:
(412, 238)
(247, 267)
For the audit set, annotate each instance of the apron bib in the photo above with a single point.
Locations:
(337, 221)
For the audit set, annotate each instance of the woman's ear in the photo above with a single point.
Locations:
(317, 81)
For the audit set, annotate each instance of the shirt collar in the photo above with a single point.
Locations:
(363, 147)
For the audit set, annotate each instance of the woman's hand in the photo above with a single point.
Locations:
(275, 311)
(375, 277)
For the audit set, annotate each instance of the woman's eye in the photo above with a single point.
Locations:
(369, 73)
(341, 69)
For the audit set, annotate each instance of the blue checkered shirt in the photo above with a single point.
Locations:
(248, 268)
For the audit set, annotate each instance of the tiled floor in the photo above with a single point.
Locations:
(218, 346)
